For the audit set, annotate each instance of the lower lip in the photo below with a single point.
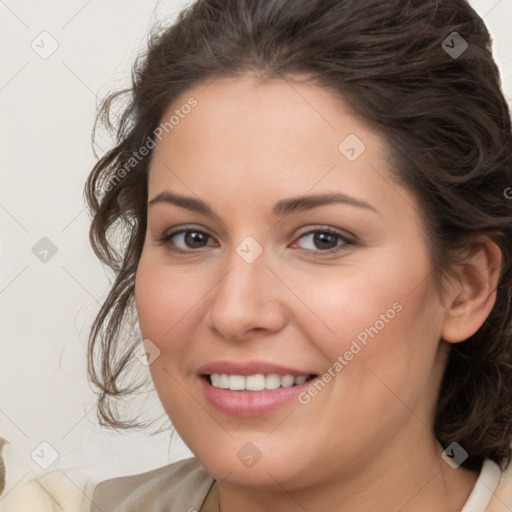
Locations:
(246, 404)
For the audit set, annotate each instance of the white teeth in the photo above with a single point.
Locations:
(236, 383)
(287, 381)
(301, 380)
(257, 382)
(272, 381)
(223, 381)
(215, 378)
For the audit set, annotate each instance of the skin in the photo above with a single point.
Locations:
(366, 441)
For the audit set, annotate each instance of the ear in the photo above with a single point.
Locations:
(472, 297)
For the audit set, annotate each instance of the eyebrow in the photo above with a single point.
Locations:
(281, 208)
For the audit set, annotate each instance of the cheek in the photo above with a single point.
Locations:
(169, 304)
(164, 299)
(150, 302)
(383, 320)
(164, 306)
(360, 302)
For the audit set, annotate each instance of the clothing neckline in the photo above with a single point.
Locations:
(485, 486)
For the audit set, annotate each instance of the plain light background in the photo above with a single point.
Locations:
(47, 109)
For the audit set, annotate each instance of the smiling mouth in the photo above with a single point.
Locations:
(256, 382)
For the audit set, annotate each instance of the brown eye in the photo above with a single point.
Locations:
(325, 241)
(195, 239)
(186, 239)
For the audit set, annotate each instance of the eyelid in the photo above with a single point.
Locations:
(329, 229)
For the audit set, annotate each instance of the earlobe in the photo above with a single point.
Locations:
(474, 295)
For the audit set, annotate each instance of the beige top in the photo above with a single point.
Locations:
(181, 486)
(184, 485)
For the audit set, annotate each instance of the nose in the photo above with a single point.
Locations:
(247, 301)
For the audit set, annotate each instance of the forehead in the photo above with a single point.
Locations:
(275, 115)
(271, 136)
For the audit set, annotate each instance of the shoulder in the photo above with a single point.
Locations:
(181, 486)
(69, 489)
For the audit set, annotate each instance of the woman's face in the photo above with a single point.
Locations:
(295, 253)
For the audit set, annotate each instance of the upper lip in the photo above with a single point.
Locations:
(249, 368)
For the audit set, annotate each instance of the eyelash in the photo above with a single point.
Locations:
(346, 241)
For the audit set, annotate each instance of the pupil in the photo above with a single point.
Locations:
(194, 239)
(323, 238)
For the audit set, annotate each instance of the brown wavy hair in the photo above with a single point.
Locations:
(443, 117)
